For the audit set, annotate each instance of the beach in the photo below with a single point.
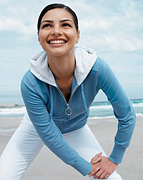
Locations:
(48, 166)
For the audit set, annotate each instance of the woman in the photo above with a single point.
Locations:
(58, 90)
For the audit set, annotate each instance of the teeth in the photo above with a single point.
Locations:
(57, 42)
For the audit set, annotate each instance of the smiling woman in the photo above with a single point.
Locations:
(57, 29)
(58, 90)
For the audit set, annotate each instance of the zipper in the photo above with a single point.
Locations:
(68, 110)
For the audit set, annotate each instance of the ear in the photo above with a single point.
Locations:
(78, 36)
(39, 39)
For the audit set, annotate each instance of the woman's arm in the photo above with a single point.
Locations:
(47, 129)
(126, 121)
(122, 109)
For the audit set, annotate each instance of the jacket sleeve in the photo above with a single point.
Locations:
(122, 109)
(48, 131)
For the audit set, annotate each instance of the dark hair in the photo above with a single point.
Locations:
(53, 6)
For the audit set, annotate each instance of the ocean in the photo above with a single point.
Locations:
(104, 109)
(98, 109)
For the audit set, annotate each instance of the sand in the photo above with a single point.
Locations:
(47, 166)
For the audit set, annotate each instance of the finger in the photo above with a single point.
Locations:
(103, 175)
(94, 159)
(98, 174)
(95, 170)
(106, 176)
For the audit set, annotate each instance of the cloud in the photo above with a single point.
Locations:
(113, 28)
(14, 24)
(118, 27)
(108, 25)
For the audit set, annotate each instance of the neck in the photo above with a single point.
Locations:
(62, 67)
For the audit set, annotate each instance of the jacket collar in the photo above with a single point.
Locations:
(85, 59)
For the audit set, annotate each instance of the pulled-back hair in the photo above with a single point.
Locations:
(54, 6)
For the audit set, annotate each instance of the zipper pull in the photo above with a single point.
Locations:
(68, 110)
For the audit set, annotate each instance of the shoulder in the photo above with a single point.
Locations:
(100, 65)
(30, 79)
(103, 72)
(31, 86)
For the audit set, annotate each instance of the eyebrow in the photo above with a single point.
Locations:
(51, 21)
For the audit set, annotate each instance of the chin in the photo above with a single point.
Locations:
(57, 52)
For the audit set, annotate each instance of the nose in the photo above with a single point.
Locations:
(56, 32)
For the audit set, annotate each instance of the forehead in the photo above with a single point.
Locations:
(57, 13)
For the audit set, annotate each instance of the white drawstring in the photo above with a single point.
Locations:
(83, 97)
(51, 98)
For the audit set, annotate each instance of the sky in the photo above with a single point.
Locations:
(114, 29)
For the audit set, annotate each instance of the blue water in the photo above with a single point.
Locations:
(104, 109)
(97, 109)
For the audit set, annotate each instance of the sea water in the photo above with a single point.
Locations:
(98, 109)
(104, 109)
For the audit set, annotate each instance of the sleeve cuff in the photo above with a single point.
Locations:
(117, 154)
(82, 166)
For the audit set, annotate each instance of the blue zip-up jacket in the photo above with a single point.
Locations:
(53, 116)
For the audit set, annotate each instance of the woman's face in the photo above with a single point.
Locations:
(57, 34)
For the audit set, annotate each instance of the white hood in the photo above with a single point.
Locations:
(85, 59)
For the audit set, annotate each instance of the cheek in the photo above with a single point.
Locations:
(40, 40)
(73, 36)
(42, 35)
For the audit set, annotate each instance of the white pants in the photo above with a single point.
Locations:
(25, 144)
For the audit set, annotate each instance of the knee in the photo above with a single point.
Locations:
(7, 173)
(9, 176)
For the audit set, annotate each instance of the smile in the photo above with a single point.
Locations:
(57, 42)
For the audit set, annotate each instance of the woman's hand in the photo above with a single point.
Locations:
(97, 158)
(103, 168)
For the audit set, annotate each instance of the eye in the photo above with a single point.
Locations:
(46, 25)
(66, 25)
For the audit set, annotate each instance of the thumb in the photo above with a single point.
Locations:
(96, 158)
